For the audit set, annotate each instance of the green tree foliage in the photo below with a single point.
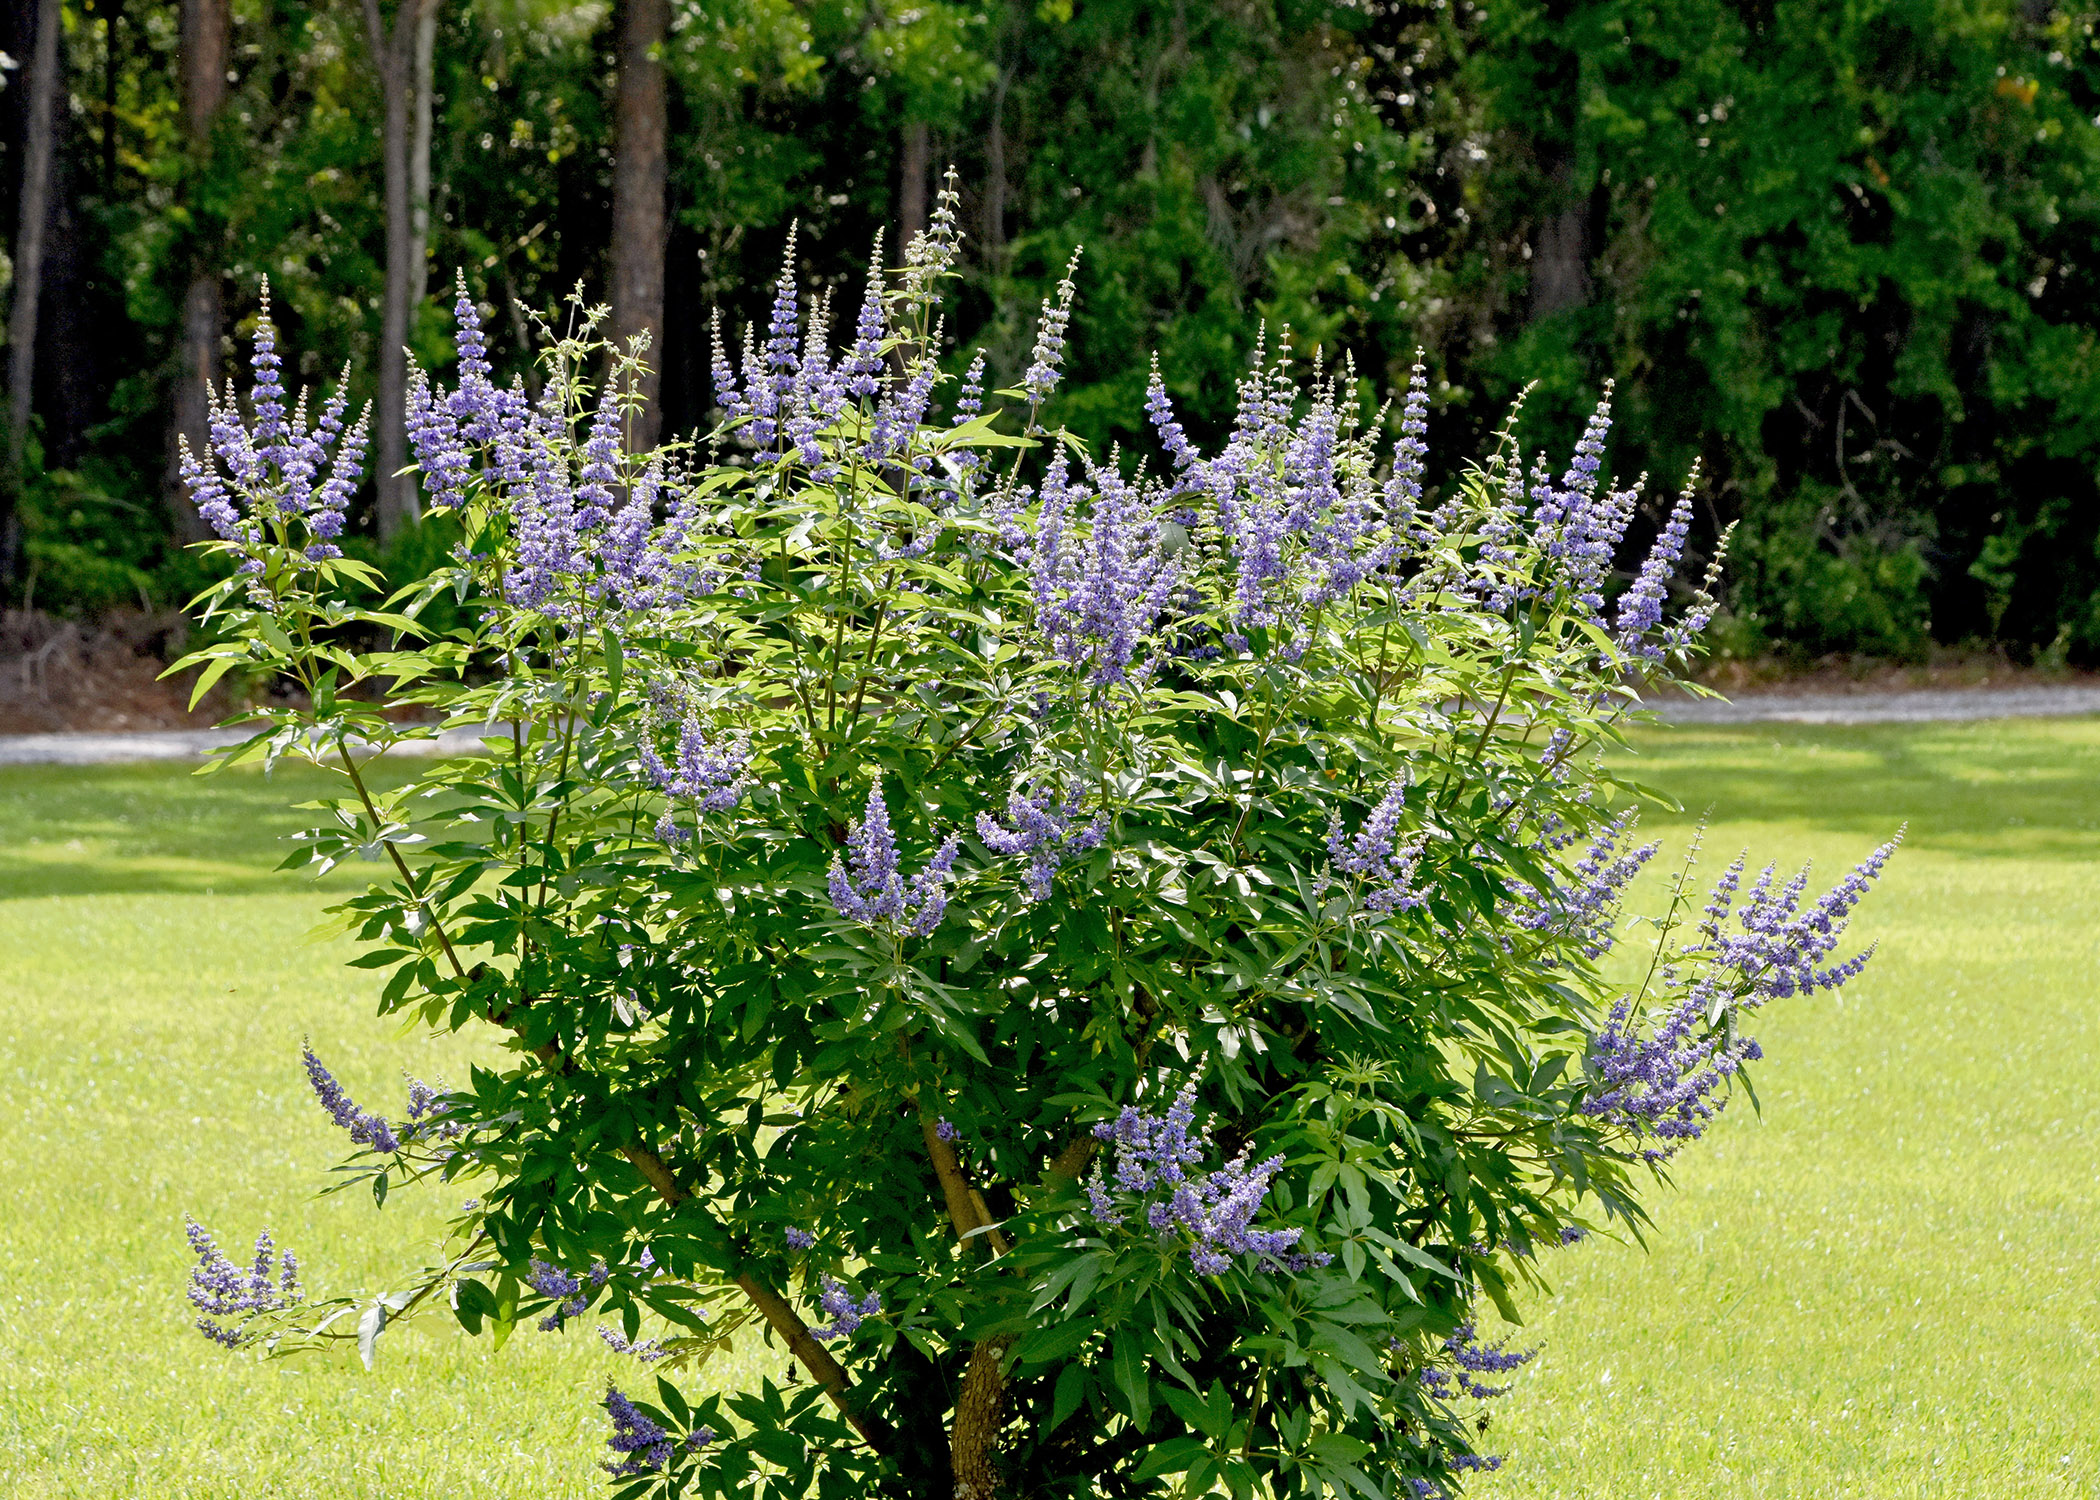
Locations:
(1838, 252)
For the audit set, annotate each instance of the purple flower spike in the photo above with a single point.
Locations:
(1641, 606)
(1046, 367)
(1584, 907)
(641, 1446)
(1384, 861)
(846, 1314)
(1046, 829)
(870, 888)
(219, 1289)
(566, 1290)
(1148, 1161)
(366, 1129)
(799, 1238)
(644, 1350)
(714, 773)
(946, 1131)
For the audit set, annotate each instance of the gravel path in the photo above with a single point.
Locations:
(1920, 706)
(172, 744)
(1903, 707)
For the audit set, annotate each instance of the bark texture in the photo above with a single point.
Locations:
(396, 53)
(39, 147)
(640, 176)
(203, 57)
(911, 184)
(1560, 247)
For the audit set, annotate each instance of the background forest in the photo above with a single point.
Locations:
(1841, 251)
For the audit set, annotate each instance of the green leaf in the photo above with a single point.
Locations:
(1131, 1379)
(1057, 1342)
(1071, 1391)
(369, 1327)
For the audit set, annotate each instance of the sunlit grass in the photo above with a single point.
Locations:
(1884, 1287)
(156, 989)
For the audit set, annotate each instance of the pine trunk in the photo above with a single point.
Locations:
(203, 44)
(394, 59)
(911, 185)
(640, 174)
(40, 134)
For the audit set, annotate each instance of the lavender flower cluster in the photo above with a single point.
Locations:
(1470, 1359)
(427, 1111)
(846, 1315)
(713, 773)
(1100, 585)
(1782, 946)
(1664, 1083)
(1378, 857)
(1045, 827)
(570, 1293)
(1213, 1213)
(645, 1350)
(365, 1128)
(1584, 906)
(276, 463)
(219, 1289)
(869, 886)
(583, 520)
(639, 1445)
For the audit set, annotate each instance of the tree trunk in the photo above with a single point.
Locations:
(112, 16)
(911, 185)
(1560, 247)
(995, 175)
(419, 157)
(203, 59)
(394, 59)
(640, 173)
(39, 139)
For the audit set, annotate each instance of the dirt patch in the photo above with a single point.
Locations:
(58, 675)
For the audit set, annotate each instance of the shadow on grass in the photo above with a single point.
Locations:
(155, 829)
(2029, 788)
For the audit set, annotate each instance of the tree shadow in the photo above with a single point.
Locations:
(2023, 788)
(156, 828)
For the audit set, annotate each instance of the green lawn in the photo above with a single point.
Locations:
(1886, 1286)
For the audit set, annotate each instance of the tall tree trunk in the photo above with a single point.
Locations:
(394, 56)
(640, 175)
(203, 47)
(1560, 246)
(995, 175)
(911, 185)
(112, 16)
(39, 140)
(419, 156)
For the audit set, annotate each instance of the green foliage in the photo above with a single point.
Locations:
(1838, 251)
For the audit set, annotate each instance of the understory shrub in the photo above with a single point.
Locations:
(1097, 964)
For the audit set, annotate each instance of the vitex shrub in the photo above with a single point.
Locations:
(1099, 966)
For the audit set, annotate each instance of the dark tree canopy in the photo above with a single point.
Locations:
(1837, 253)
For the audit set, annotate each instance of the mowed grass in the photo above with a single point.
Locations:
(1884, 1286)
(156, 987)
(1889, 1285)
